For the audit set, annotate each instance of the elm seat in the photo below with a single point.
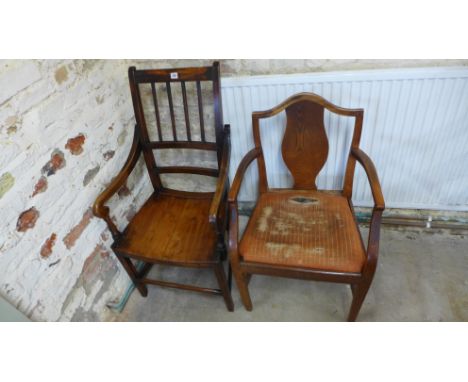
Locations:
(170, 229)
(306, 229)
(175, 227)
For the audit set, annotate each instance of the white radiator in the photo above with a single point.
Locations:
(415, 130)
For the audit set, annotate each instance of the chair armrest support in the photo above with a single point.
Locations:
(379, 206)
(99, 208)
(241, 169)
(222, 184)
(369, 168)
(233, 238)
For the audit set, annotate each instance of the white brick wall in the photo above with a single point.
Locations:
(44, 115)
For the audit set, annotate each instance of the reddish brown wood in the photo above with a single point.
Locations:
(303, 232)
(173, 227)
(305, 143)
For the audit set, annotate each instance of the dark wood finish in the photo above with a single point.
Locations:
(200, 111)
(174, 227)
(183, 145)
(186, 113)
(171, 110)
(188, 170)
(156, 110)
(303, 232)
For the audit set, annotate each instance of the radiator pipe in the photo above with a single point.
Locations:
(120, 305)
(416, 221)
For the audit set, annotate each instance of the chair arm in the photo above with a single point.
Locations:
(222, 182)
(366, 163)
(241, 169)
(99, 208)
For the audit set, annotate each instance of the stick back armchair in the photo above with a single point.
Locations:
(175, 227)
(303, 232)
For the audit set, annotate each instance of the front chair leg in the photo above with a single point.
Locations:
(359, 294)
(223, 285)
(132, 272)
(241, 281)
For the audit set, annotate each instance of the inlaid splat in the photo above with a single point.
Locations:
(305, 143)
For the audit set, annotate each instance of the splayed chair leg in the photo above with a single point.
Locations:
(241, 281)
(223, 285)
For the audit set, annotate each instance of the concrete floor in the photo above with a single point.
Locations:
(422, 276)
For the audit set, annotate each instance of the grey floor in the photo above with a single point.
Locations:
(422, 276)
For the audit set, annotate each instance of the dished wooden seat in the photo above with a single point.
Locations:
(307, 229)
(170, 229)
(175, 227)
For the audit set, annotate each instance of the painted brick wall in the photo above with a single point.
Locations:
(65, 131)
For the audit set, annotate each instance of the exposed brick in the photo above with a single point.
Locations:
(90, 175)
(70, 239)
(46, 249)
(12, 130)
(61, 74)
(97, 263)
(108, 154)
(40, 186)
(75, 145)
(56, 162)
(6, 183)
(123, 191)
(27, 219)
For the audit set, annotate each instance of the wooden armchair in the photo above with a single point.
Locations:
(174, 227)
(303, 232)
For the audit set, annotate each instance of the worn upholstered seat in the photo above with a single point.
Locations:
(306, 229)
(304, 232)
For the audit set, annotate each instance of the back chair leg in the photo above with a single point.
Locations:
(132, 272)
(241, 281)
(223, 285)
(229, 276)
(359, 294)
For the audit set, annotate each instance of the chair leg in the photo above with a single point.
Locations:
(132, 272)
(229, 276)
(223, 285)
(241, 281)
(359, 294)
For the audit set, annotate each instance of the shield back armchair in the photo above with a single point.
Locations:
(303, 232)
